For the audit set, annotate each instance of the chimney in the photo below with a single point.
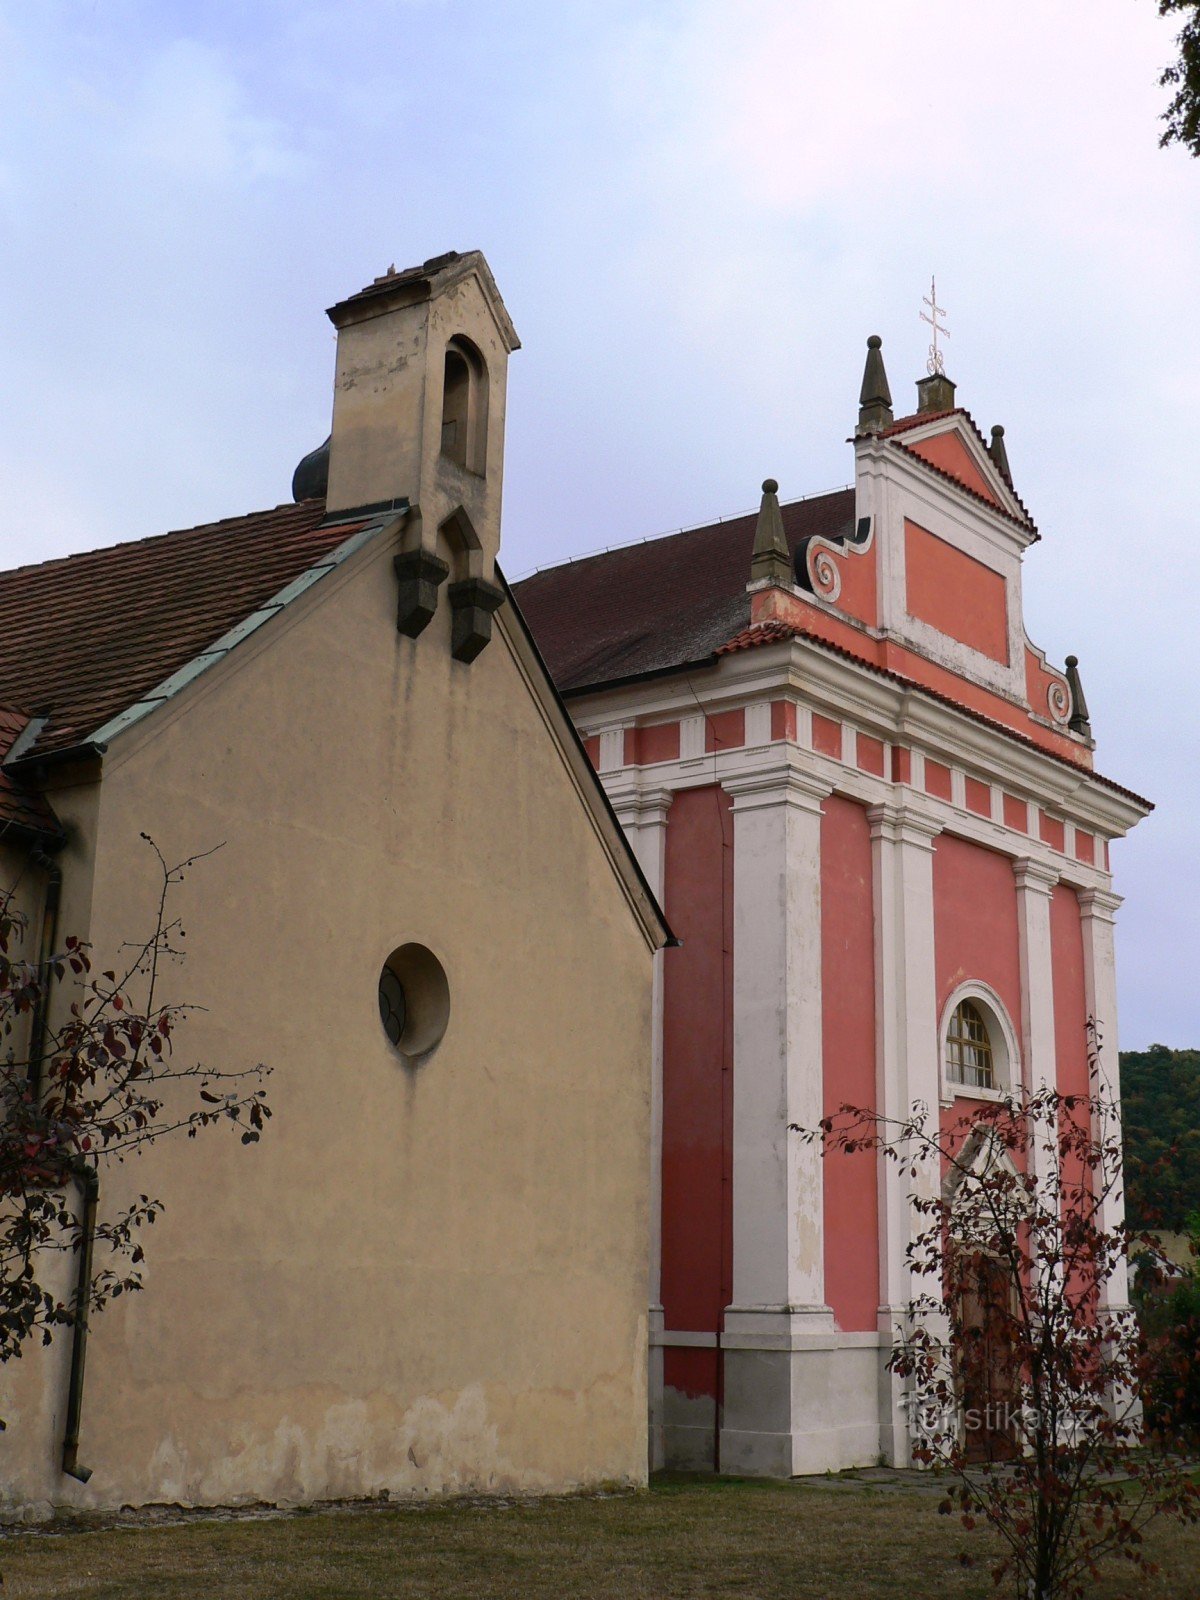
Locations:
(875, 398)
(418, 428)
(935, 393)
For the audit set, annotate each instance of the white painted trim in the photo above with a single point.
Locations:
(729, 767)
(758, 724)
(691, 737)
(802, 672)
(612, 748)
(978, 453)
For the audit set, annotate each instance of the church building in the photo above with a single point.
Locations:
(869, 805)
(421, 914)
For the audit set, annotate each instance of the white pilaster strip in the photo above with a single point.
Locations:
(643, 815)
(1098, 909)
(906, 1054)
(1035, 885)
(778, 1232)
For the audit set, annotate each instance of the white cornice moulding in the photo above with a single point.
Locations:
(814, 678)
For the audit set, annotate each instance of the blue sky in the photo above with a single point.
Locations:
(696, 213)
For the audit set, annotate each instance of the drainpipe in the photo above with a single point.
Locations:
(37, 1027)
(82, 1171)
(89, 1187)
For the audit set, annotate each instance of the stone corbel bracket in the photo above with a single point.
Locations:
(473, 601)
(420, 574)
(818, 560)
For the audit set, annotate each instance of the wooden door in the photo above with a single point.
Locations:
(989, 1383)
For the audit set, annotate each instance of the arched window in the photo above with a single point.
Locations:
(464, 406)
(969, 1056)
(981, 1059)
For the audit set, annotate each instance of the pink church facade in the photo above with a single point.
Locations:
(869, 808)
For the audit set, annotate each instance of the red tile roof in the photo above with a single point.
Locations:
(18, 807)
(85, 637)
(657, 605)
(918, 419)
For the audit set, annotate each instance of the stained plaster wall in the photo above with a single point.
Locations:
(422, 1279)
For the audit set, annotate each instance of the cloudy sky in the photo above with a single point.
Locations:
(696, 212)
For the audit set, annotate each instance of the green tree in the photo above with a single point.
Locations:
(1182, 116)
(1024, 1386)
(1161, 1093)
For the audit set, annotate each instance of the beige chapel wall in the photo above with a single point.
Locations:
(419, 1280)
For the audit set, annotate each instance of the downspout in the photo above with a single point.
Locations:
(89, 1187)
(37, 1027)
(82, 1171)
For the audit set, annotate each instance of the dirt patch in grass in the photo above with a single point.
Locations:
(768, 1541)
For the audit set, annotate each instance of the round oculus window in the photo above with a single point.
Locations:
(414, 1002)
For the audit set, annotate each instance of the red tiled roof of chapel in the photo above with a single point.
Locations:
(84, 637)
(19, 807)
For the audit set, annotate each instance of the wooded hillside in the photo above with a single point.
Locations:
(1161, 1093)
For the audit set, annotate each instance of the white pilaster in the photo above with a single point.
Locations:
(908, 1071)
(778, 1218)
(643, 815)
(1098, 909)
(1035, 885)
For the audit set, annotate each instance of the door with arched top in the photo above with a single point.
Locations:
(988, 1380)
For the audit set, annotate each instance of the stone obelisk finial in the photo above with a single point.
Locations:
(999, 454)
(1078, 721)
(771, 560)
(875, 398)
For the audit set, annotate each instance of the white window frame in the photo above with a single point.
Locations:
(1002, 1036)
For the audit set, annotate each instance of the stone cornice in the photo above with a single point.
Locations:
(904, 824)
(786, 785)
(1102, 904)
(1035, 876)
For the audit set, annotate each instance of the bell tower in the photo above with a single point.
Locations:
(418, 427)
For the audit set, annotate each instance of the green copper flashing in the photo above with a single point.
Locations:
(217, 651)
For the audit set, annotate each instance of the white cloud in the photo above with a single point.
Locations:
(190, 119)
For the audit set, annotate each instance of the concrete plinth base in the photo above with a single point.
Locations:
(800, 1396)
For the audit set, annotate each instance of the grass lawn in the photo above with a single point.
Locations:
(757, 1541)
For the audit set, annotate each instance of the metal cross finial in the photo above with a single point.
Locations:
(936, 363)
